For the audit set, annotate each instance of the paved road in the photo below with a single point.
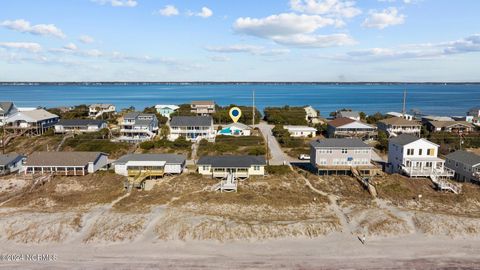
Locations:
(277, 156)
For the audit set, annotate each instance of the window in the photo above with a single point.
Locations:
(206, 168)
(420, 152)
(256, 168)
(409, 152)
(344, 151)
(431, 151)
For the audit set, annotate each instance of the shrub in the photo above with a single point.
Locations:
(286, 115)
(147, 145)
(278, 169)
(257, 151)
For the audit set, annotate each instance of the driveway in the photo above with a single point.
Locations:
(277, 156)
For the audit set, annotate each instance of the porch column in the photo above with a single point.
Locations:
(74, 171)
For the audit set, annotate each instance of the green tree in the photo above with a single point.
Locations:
(164, 131)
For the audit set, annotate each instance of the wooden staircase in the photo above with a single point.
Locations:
(443, 184)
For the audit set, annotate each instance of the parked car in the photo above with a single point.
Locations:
(304, 157)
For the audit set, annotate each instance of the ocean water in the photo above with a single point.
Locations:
(439, 99)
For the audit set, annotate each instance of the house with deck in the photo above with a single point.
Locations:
(166, 110)
(402, 115)
(7, 109)
(193, 128)
(415, 157)
(465, 164)
(32, 122)
(138, 127)
(340, 155)
(301, 131)
(240, 167)
(65, 163)
(10, 163)
(203, 107)
(395, 126)
(349, 128)
(153, 164)
(79, 125)
(235, 129)
(459, 127)
(98, 110)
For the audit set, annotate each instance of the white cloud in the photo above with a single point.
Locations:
(38, 29)
(383, 19)
(337, 8)
(204, 13)
(117, 3)
(293, 30)
(168, 10)
(71, 47)
(86, 39)
(245, 48)
(28, 46)
(219, 58)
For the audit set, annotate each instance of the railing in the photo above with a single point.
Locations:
(427, 171)
(133, 173)
(476, 175)
(225, 174)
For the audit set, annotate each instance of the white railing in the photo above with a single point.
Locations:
(427, 171)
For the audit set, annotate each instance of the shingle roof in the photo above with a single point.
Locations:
(5, 106)
(400, 121)
(404, 139)
(465, 157)
(169, 158)
(8, 158)
(339, 142)
(232, 161)
(189, 121)
(101, 106)
(442, 124)
(80, 122)
(340, 122)
(203, 102)
(62, 158)
(134, 115)
(349, 114)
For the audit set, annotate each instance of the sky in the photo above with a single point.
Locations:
(243, 40)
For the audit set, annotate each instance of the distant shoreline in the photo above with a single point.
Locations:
(233, 83)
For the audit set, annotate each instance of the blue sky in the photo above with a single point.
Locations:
(248, 40)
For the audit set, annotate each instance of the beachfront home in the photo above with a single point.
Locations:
(465, 164)
(235, 129)
(415, 157)
(10, 163)
(348, 114)
(166, 110)
(203, 107)
(193, 128)
(65, 163)
(33, 122)
(79, 125)
(153, 164)
(428, 118)
(395, 126)
(349, 128)
(459, 127)
(7, 109)
(241, 167)
(301, 131)
(138, 127)
(475, 112)
(339, 156)
(311, 115)
(402, 115)
(97, 110)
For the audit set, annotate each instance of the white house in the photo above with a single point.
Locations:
(97, 110)
(203, 107)
(166, 110)
(138, 127)
(241, 167)
(79, 125)
(395, 126)
(311, 115)
(401, 115)
(193, 128)
(34, 122)
(349, 128)
(301, 131)
(415, 157)
(235, 129)
(137, 163)
(65, 163)
(7, 109)
(10, 163)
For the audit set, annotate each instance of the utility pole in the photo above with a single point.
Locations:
(404, 109)
(253, 108)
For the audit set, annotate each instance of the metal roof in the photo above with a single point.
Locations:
(404, 139)
(76, 159)
(464, 157)
(232, 161)
(9, 158)
(191, 121)
(80, 122)
(339, 142)
(135, 115)
(168, 158)
(5, 106)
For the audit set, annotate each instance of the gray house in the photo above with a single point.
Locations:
(339, 156)
(193, 128)
(10, 163)
(465, 164)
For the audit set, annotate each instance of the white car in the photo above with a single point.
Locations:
(304, 157)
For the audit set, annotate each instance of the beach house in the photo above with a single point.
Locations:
(79, 125)
(339, 156)
(202, 107)
(166, 110)
(349, 128)
(65, 163)
(415, 157)
(301, 131)
(395, 126)
(33, 122)
(97, 110)
(312, 116)
(459, 127)
(151, 164)
(193, 128)
(7, 109)
(354, 115)
(241, 167)
(138, 127)
(235, 129)
(10, 163)
(402, 115)
(465, 164)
